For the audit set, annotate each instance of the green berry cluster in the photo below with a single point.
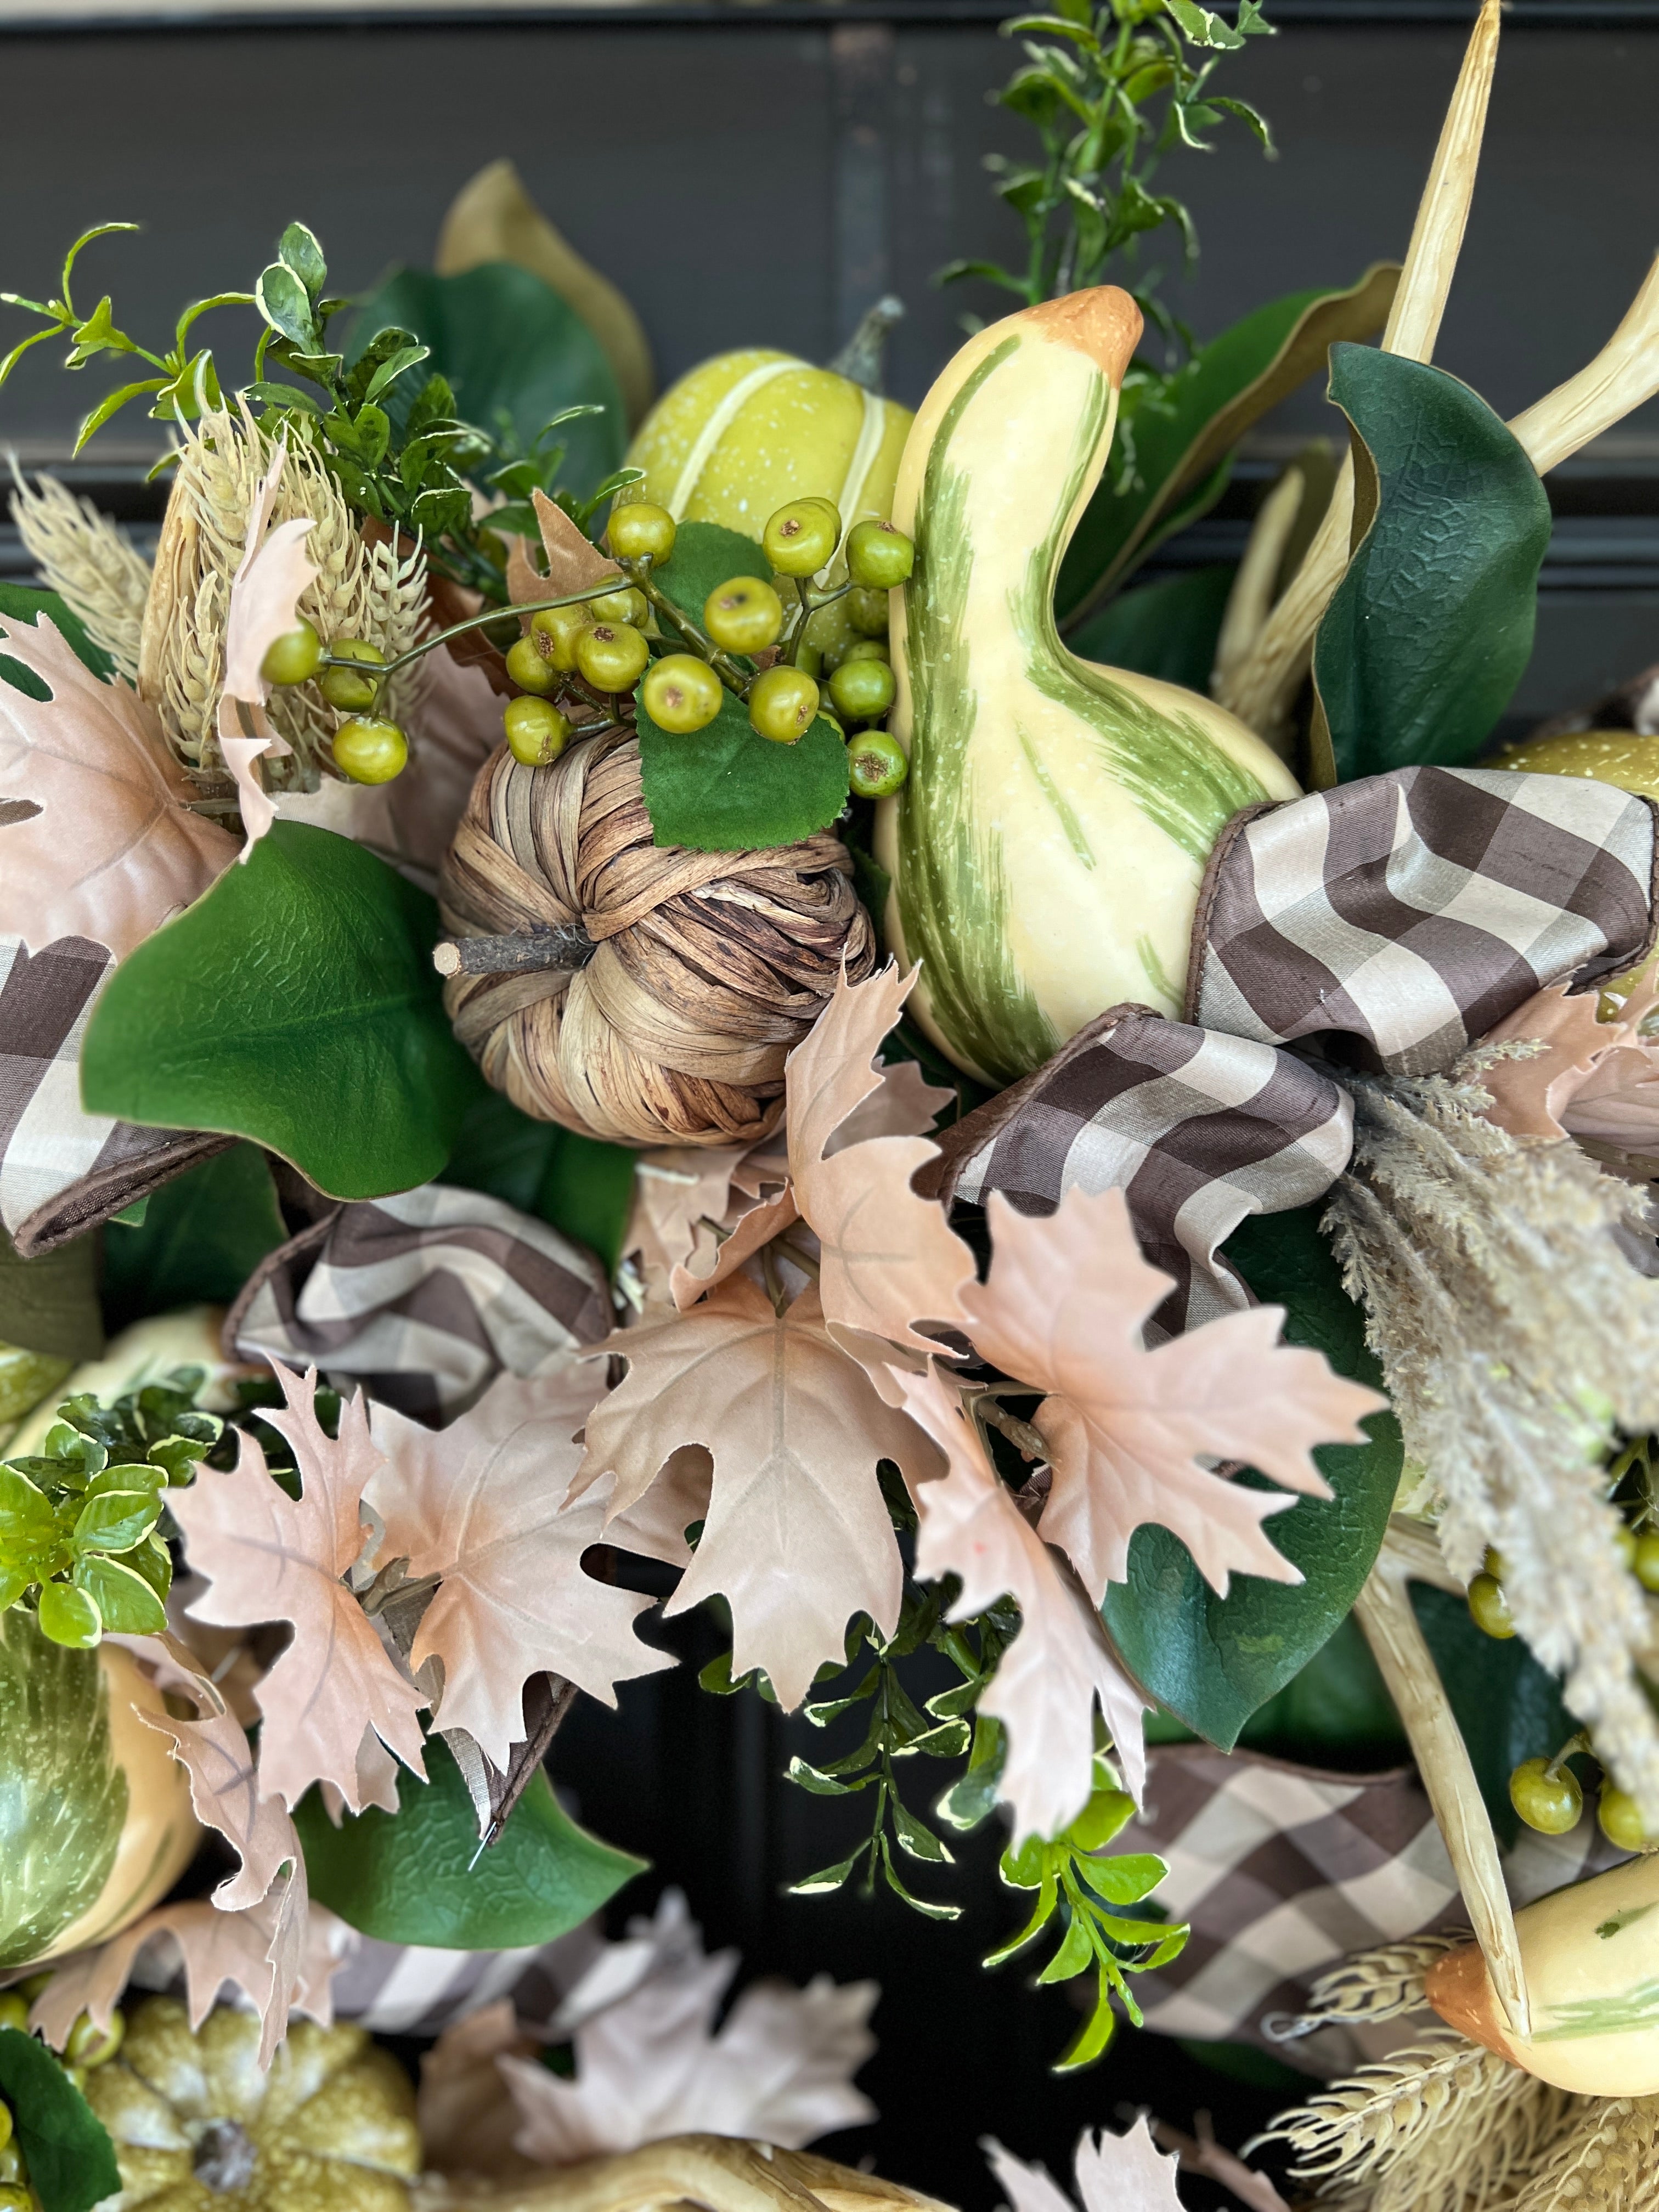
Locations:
(349, 671)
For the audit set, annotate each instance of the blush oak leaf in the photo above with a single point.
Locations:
(485, 1506)
(1126, 1429)
(265, 594)
(268, 1557)
(1114, 2173)
(224, 1791)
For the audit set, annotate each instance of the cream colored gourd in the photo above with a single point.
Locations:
(1591, 1954)
(1047, 851)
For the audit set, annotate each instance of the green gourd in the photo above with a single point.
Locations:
(1047, 850)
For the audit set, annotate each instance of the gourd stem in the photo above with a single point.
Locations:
(516, 952)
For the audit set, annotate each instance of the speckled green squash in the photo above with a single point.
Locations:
(1047, 851)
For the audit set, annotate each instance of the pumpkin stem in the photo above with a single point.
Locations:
(225, 2157)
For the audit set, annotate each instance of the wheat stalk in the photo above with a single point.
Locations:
(1384, 1984)
(87, 561)
(1607, 2162)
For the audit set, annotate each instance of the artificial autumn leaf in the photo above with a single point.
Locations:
(888, 1259)
(466, 2114)
(224, 1791)
(754, 1229)
(1063, 1310)
(1114, 2173)
(97, 838)
(797, 1536)
(1048, 1679)
(779, 2070)
(1592, 1079)
(268, 1557)
(485, 1506)
(265, 595)
(573, 562)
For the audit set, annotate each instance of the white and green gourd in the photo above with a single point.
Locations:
(1047, 851)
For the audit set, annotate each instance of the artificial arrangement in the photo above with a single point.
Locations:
(735, 1001)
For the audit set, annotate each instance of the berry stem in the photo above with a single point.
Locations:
(480, 621)
(1573, 1745)
(734, 679)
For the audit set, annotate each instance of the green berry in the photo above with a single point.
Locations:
(16, 2197)
(68, 1616)
(801, 538)
(624, 604)
(343, 687)
(530, 668)
(641, 531)
(1552, 1803)
(295, 656)
(537, 732)
(867, 648)
(370, 749)
(867, 610)
(559, 628)
(879, 556)
(682, 694)
(782, 701)
(14, 2012)
(1647, 1559)
(613, 655)
(1489, 1607)
(743, 615)
(1625, 1544)
(876, 764)
(92, 2046)
(1494, 1563)
(1622, 1824)
(13, 2172)
(862, 690)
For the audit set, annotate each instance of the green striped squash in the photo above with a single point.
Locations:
(1047, 850)
(96, 1818)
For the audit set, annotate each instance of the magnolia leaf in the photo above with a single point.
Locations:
(575, 1184)
(1114, 2173)
(270, 579)
(202, 1235)
(485, 1504)
(1169, 629)
(328, 1041)
(1064, 1310)
(27, 603)
(726, 789)
(268, 1557)
(72, 2159)
(797, 1537)
(97, 838)
(1050, 1679)
(1432, 627)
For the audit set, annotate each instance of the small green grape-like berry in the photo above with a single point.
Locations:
(14, 2174)
(537, 732)
(91, 2046)
(879, 556)
(1620, 1822)
(1647, 1559)
(1494, 1563)
(529, 667)
(343, 687)
(743, 615)
(862, 690)
(559, 627)
(370, 749)
(295, 656)
(613, 655)
(5, 2109)
(1489, 1609)
(641, 531)
(682, 694)
(70, 1617)
(624, 604)
(801, 538)
(14, 2012)
(877, 764)
(782, 701)
(1624, 1541)
(867, 648)
(17, 2197)
(1552, 1803)
(867, 610)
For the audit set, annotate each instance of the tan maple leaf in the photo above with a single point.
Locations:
(1063, 1309)
(267, 1557)
(1047, 1681)
(485, 1505)
(1114, 2173)
(797, 1536)
(573, 560)
(224, 1791)
(1590, 1078)
(97, 838)
(265, 594)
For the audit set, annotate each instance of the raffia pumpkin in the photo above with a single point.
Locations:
(689, 976)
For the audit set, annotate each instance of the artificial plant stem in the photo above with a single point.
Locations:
(480, 621)
(724, 667)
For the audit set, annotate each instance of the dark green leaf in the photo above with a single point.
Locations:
(820, 1885)
(725, 789)
(295, 1003)
(1230, 384)
(814, 1778)
(919, 1841)
(70, 2159)
(298, 250)
(1432, 626)
(1212, 1660)
(1507, 1707)
(1335, 1712)
(49, 1305)
(922, 1905)
(284, 395)
(203, 1235)
(576, 1184)
(1168, 629)
(284, 302)
(504, 339)
(419, 1876)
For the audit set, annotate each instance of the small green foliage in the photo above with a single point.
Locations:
(70, 2159)
(1084, 1891)
(78, 1519)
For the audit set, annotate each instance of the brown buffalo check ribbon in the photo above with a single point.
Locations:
(1387, 924)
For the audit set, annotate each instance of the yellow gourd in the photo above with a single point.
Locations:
(1624, 757)
(1047, 850)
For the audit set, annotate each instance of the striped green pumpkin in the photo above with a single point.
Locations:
(1047, 850)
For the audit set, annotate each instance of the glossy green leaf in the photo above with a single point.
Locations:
(1182, 448)
(828, 1879)
(1336, 1712)
(420, 1877)
(25, 603)
(116, 1520)
(127, 1604)
(296, 1004)
(1432, 627)
(576, 1184)
(723, 789)
(70, 2159)
(1169, 629)
(201, 1237)
(1212, 1660)
(504, 339)
(1075, 1953)
(49, 1305)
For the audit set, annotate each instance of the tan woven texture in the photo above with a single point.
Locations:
(708, 967)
